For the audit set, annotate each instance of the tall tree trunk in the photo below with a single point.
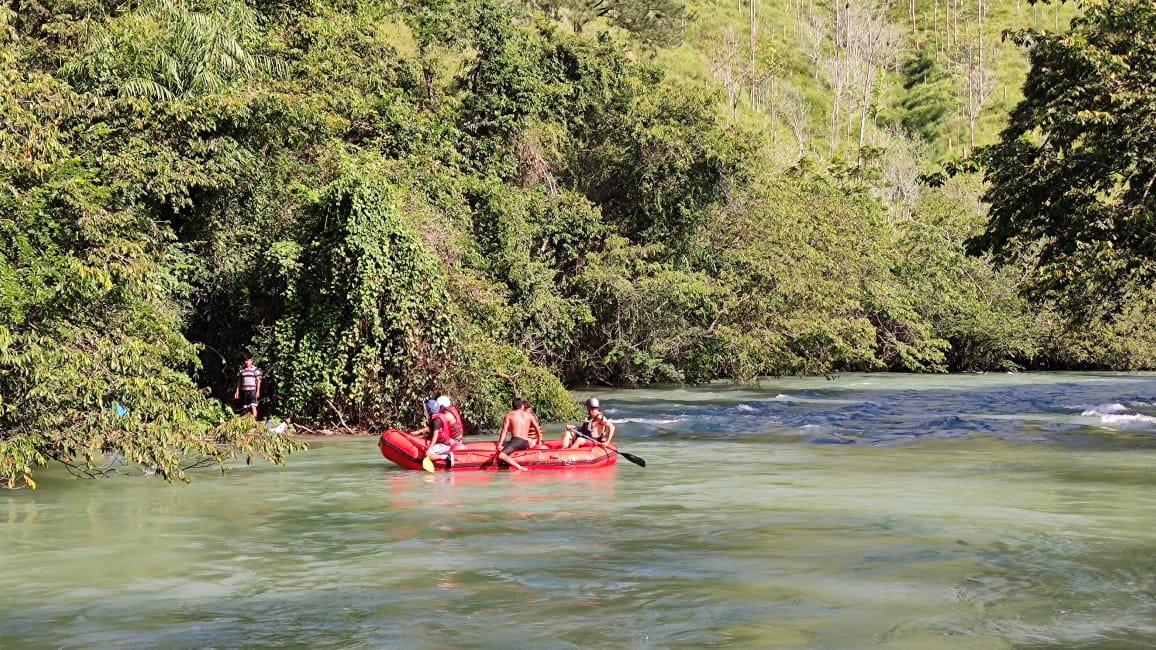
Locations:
(935, 27)
(837, 85)
(947, 25)
(774, 111)
(981, 72)
(955, 25)
(754, 27)
(864, 104)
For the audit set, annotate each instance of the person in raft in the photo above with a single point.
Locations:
(597, 426)
(451, 414)
(441, 437)
(524, 431)
(248, 386)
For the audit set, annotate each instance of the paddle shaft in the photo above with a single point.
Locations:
(426, 461)
(630, 457)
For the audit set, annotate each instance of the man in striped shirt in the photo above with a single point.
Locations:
(249, 386)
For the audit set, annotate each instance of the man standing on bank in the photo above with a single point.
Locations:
(248, 386)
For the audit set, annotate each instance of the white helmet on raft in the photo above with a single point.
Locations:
(445, 402)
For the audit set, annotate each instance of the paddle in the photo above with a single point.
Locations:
(427, 462)
(630, 457)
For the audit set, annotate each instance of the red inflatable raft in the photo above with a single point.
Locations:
(408, 452)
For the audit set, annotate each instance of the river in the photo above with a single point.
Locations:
(861, 511)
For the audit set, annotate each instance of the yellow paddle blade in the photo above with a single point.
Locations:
(427, 464)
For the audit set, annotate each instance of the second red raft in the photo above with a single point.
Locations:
(408, 451)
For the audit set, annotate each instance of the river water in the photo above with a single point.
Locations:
(864, 511)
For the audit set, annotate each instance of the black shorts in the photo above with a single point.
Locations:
(515, 444)
(248, 399)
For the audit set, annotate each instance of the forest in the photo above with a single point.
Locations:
(387, 200)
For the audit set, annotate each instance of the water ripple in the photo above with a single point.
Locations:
(1103, 410)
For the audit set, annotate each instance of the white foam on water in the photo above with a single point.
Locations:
(745, 408)
(1127, 418)
(781, 397)
(1116, 414)
(654, 421)
(1103, 409)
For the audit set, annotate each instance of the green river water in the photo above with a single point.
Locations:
(882, 511)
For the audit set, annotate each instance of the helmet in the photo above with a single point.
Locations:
(444, 402)
(592, 403)
(433, 407)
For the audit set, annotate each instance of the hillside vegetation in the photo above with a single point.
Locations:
(384, 201)
(931, 68)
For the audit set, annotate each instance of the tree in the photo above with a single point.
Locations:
(436, 25)
(872, 44)
(660, 23)
(727, 68)
(796, 112)
(163, 49)
(95, 371)
(812, 30)
(975, 80)
(1072, 178)
(365, 331)
(504, 84)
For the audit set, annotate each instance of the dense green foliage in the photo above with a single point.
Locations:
(1072, 178)
(93, 360)
(388, 201)
(363, 316)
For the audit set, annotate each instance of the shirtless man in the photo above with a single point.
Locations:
(524, 430)
(597, 426)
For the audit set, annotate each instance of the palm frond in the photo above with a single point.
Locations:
(174, 46)
(146, 89)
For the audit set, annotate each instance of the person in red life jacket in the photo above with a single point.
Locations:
(454, 417)
(441, 437)
(248, 386)
(597, 426)
(523, 429)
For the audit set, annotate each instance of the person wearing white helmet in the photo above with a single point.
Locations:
(596, 426)
(441, 438)
(453, 417)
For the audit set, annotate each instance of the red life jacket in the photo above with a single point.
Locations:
(459, 427)
(445, 434)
